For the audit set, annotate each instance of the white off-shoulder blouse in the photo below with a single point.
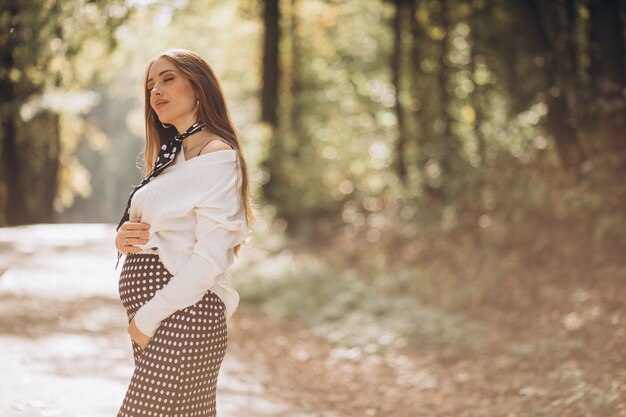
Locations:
(196, 217)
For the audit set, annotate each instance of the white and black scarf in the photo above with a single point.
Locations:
(167, 154)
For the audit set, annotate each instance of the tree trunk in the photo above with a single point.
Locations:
(558, 118)
(448, 149)
(476, 22)
(396, 79)
(16, 210)
(271, 65)
(419, 87)
(49, 172)
(570, 43)
(608, 68)
(51, 165)
(296, 86)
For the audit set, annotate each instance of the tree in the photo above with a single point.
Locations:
(271, 66)
(46, 54)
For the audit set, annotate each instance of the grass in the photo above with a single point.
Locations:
(339, 306)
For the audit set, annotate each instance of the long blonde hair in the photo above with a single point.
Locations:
(212, 110)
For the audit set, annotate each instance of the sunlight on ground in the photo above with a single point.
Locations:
(63, 336)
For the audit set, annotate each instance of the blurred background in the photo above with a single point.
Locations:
(439, 184)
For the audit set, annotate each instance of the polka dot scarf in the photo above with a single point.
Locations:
(167, 154)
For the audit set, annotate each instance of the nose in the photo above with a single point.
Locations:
(153, 90)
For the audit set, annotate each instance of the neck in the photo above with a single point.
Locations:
(184, 123)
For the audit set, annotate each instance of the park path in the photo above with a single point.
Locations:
(63, 341)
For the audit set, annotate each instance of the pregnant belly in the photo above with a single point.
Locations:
(142, 275)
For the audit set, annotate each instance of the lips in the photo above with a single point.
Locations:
(159, 103)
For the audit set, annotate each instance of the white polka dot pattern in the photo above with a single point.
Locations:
(176, 374)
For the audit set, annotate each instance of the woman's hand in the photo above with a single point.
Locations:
(136, 335)
(134, 233)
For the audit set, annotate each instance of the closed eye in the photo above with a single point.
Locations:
(167, 79)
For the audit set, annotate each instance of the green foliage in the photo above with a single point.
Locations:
(52, 55)
(504, 118)
(509, 159)
(338, 305)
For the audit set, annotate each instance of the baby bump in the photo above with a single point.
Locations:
(142, 275)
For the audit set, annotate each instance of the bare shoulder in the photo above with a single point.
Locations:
(215, 144)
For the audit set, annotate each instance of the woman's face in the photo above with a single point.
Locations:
(171, 94)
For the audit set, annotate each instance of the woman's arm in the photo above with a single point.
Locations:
(220, 226)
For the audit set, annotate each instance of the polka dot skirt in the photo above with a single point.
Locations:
(176, 374)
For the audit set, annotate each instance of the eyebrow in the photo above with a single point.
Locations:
(164, 71)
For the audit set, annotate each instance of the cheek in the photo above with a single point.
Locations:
(185, 93)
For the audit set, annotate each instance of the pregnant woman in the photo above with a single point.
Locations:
(181, 229)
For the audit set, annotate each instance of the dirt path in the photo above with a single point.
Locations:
(65, 349)
(63, 341)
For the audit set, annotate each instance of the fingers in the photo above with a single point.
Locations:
(131, 247)
(135, 232)
(136, 238)
(132, 233)
(136, 335)
(141, 345)
(137, 226)
(131, 225)
(128, 241)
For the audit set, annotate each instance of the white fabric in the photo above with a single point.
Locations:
(196, 217)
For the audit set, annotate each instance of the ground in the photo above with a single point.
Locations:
(63, 340)
(66, 352)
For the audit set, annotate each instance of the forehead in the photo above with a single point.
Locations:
(160, 65)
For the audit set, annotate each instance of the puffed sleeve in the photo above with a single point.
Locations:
(220, 226)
